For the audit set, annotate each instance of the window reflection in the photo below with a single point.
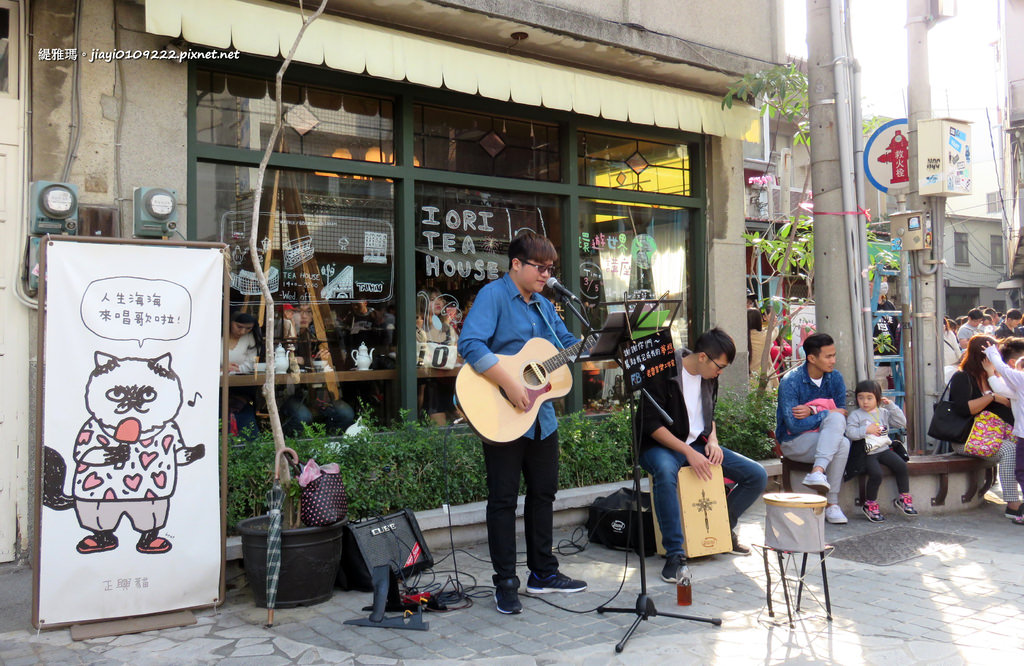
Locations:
(239, 111)
(635, 251)
(5, 50)
(453, 140)
(326, 245)
(462, 238)
(629, 163)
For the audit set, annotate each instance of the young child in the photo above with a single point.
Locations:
(871, 422)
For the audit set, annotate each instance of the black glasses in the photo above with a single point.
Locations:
(542, 268)
(717, 364)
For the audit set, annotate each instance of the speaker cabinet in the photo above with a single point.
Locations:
(394, 540)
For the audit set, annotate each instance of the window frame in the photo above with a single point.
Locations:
(996, 250)
(405, 177)
(961, 245)
(14, 10)
(993, 203)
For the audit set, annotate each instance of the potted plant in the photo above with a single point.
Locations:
(303, 561)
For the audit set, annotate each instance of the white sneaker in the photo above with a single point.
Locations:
(817, 482)
(835, 515)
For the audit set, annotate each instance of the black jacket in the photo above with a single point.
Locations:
(963, 388)
(668, 394)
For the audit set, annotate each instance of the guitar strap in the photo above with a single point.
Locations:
(551, 328)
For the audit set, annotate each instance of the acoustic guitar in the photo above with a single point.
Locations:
(542, 370)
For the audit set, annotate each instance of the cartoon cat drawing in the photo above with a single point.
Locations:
(126, 454)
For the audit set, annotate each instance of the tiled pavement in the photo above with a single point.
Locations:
(962, 604)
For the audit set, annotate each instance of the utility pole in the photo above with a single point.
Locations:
(839, 283)
(927, 287)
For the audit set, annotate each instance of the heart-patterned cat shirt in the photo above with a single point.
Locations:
(150, 471)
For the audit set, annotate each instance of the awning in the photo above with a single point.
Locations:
(1015, 283)
(268, 29)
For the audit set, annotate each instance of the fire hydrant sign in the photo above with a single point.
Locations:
(887, 156)
(129, 459)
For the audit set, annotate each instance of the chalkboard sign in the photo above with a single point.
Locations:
(649, 358)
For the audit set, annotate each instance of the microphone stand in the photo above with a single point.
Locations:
(644, 608)
(587, 328)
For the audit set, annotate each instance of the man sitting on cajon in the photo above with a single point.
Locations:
(689, 399)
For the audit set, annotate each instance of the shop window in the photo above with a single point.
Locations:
(326, 244)
(238, 112)
(628, 163)
(638, 251)
(451, 140)
(462, 239)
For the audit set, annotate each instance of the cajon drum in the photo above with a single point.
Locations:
(705, 515)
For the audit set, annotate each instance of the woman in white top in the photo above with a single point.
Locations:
(241, 343)
(241, 359)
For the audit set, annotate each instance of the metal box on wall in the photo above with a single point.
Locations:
(944, 157)
(911, 230)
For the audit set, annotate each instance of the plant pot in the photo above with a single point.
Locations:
(310, 557)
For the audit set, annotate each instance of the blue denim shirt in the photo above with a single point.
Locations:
(501, 322)
(797, 388)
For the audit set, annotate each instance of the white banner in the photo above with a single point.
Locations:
(130, 521)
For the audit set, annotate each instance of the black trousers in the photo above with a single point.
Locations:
(537, 462)
(898, 467)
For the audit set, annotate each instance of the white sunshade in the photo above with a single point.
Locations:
(268, 29)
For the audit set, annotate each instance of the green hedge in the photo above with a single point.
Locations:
(745, 420)
(409, 464)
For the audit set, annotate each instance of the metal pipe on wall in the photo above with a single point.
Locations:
(851, 219)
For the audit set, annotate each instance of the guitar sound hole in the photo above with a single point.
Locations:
(534, 376)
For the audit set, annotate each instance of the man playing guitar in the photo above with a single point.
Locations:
(507, 313)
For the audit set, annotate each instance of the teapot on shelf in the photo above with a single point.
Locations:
(280, 360)
(363, 357)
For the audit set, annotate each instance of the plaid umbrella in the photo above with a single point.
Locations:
(275, 500)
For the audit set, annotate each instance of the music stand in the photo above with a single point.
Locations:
(619, 330)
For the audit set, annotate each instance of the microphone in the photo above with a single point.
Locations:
(560, 289)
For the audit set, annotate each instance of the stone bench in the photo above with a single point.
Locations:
(931, 478)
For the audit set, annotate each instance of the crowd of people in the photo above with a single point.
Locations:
(983, 352)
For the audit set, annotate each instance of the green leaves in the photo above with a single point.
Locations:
(744, 421)
(782, 93)
(420, 465)
(790, 249)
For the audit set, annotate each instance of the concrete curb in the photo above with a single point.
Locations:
(469, 521)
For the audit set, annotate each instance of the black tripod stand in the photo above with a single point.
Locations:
(644, 609)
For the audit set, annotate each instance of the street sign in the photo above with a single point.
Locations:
(887, 156)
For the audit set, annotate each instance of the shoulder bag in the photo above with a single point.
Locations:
(946, 424)
(323, 500)
(987, 434)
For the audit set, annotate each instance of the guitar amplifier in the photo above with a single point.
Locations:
(394, 540)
